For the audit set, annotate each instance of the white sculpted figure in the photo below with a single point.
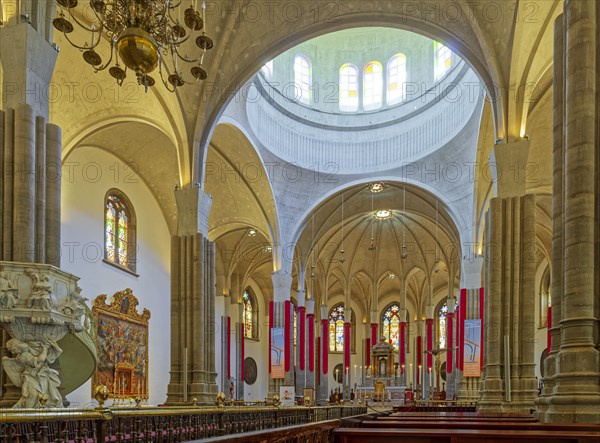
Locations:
(29, 370)
(74, 303)
(8, 293)
(41, 296)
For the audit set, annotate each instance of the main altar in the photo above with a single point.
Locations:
(382, 380)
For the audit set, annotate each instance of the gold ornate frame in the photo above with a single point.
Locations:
(121, 310)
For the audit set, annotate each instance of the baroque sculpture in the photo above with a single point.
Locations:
(29, 370)
(37, 316)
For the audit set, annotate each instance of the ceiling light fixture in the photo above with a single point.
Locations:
(143, 34)
(251, 232)
(376, 187)
(383, 214)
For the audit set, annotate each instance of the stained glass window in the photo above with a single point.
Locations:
(349, 88)
(249, 315)
(119, 236)
(336, 329)
(302, 78)
(391, 325)
(372, 86)
(442, 325)
(396, 79)
(443, 60)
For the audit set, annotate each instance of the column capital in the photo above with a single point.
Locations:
(508, 165)
(403, 315)
(324, 313)
(471, 272)
(429, 311)
(282, 285)
(193, 207)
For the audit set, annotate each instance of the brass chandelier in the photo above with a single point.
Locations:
(143, 34)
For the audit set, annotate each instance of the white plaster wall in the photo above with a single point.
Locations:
(88, 173)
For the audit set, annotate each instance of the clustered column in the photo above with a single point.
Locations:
(572, 383)
(193, 296)
(509, 382)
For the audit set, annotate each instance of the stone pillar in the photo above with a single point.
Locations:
(509, 381)
(192, 301)
(282, 286)
(575, 369)
(450, 344)
(323, 391)
(468, 387)
(301, 343)
(310, 343)
(428, 363)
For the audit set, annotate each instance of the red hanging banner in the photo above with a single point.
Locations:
(228, 348)
(347, 346)
(324, 347)
(368, 352)
(287, 324)
(549, 326)
(374, 338)
(429, 325)
(270, 327)
(402, 349)
(310, 318)
(302, 326)
(242, 350)
(419, 358)
(462, 309)
(450, 342)
(481, 316)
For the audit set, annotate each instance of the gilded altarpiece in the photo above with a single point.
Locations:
(122, 345)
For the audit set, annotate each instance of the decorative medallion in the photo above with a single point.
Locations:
(250, 371)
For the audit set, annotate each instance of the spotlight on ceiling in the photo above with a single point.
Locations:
(376, 187)
(267, 249)
(383, 214)
(251, 232)
(391, 276)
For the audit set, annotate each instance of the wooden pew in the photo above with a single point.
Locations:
(419, 435)
(448, 424)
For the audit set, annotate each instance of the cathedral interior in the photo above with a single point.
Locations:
(316, 220)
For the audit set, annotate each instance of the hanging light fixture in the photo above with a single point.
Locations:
(404, 254)
(342, 259)
(372, 246)
(436, 267)
(143, 34)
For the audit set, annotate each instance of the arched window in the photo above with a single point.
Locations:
(267, 70)
(349, 88)
(442, 325)
(390, 328)
(250, 314)
(396, 73)
(443, 60)
(336, 329)
(302, 78)
(119, 230)
(372, 86)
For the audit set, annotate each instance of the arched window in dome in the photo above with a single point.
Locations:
(267, 70)
(302, 78)
(349, 88)
(250, 314)
(119, 230)
(390, 325)
(396, 73)
(443, 60)
(372, 86)
(336, 329)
